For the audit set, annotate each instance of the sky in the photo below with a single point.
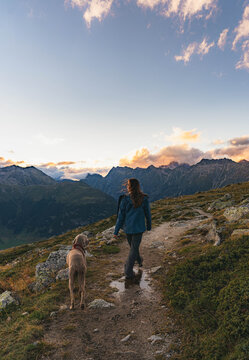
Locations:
(86, 85)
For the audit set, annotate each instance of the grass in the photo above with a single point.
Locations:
(206, 288)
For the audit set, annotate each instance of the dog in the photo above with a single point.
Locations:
(76, 261)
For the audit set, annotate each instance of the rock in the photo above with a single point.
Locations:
(106, 235)
(100, 304)
(7, 298)
(57, 260)
(125, 339)
(239, 233)
(245, 222)
(89, 234)
(157, 245)
(88, 254)
(220, 204)
(53, 314)
(63, 307)
(155, 269)
(155, 339)
(65, 247)
(236, 213)
(63, 274)
(226, 197)
(45, 272)
(213, 235)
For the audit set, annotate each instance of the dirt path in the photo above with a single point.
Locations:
(97, 334)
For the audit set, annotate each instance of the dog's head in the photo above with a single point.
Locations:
(81, 240)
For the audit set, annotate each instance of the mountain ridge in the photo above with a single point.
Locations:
(30, 175)
(184, 179)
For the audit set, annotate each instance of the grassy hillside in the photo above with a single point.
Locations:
(205, 287)
(34, 212)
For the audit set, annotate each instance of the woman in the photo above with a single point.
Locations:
(134, 209)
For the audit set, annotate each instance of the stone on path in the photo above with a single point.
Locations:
(155, 269)
(100, 304)
(126, 338)
(155, 338)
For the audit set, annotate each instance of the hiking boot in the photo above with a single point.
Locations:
(140, 264)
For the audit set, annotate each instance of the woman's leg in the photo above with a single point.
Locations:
(134, 253)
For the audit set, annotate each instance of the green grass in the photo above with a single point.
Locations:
(210, 294)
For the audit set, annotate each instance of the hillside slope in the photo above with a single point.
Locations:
(173, 181)
(30, 213)
(197, 302)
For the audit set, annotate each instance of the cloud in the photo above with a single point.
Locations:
(91, 9)
(70, 173)
(8, 162)
(187, 53)
(195, 48)
(180, 153)
(235, 153)
(204, 47)
(222, 39)
(242, 30)
(218, 142)
(182, 8)
(244, 61)
(236, 149)
(45, 140)
(239, 141)
(184, 136)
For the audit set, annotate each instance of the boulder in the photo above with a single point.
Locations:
(100, 304)
(63, 274)
(235, 213)
(7, 298)
(45, 272)
(236, 234)
(106, 235)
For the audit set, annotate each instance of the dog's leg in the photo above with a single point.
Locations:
(71, 287)
(82, 289)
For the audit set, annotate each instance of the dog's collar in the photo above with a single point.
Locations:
(79, 247)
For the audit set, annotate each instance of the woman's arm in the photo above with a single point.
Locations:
(121, 217)
(147, 213)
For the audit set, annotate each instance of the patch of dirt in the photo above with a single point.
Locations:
(96, 334)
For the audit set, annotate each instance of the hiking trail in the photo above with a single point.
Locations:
(125, 331)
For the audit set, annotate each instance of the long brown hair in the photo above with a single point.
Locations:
(134, 190)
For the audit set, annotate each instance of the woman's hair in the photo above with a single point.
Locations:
(133, 189)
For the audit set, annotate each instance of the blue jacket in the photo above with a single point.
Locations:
(133, 219)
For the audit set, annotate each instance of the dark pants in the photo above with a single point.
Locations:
(134, 241)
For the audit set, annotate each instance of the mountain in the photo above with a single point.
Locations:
(30, 213)
(16, 175)
(183, 179)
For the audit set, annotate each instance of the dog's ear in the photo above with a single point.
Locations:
(84, 240)
(75, 240)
